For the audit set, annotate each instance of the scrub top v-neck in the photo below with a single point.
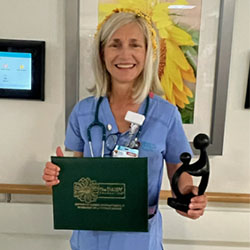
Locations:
(162, 138)
(109, 119)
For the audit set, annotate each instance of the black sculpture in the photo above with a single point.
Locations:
(199, 168)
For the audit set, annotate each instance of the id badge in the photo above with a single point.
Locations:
(122, 151)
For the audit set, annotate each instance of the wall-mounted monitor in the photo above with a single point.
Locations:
(22, 69)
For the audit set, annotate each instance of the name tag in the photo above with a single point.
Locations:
(122, 151)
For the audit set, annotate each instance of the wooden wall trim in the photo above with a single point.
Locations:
(216, 197)
(24, 189)
(42, 189)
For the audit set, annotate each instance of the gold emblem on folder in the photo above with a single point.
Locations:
(89, 192)
(86, 190)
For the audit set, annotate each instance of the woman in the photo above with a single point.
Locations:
(126, 58)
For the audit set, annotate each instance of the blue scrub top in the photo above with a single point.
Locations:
(162, 138)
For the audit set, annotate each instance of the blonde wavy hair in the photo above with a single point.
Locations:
(148, 80)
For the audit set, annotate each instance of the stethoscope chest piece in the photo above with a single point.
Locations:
(135, 144)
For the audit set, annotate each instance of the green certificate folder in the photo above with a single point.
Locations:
(105, 194)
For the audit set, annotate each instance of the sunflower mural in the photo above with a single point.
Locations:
(179, 49)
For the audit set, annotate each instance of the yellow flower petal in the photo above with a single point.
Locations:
(177, 55)
(188, 75)
(168, 88)
(163, 23)
(187, 91)
(106, 9)
(174, 73)
(180, 2)
(161, 7)
(164, 34)
(180, 103)
(180, 95)
(181, 37)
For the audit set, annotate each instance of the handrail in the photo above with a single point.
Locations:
(164, 195)
(24, 189)
(216, 197)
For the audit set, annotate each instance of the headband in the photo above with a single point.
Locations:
(138, 13)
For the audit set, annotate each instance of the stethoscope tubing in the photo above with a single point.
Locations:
(97, 123)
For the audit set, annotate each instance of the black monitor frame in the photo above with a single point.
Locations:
(247, 101)
(37, 49)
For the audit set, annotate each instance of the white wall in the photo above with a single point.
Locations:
(231, 172)
(31, 130)
(223, 228)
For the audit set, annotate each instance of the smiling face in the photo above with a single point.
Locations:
(124, 54)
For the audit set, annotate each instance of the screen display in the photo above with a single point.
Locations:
(15, 70)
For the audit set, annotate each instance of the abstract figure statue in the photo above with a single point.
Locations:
(199, 168)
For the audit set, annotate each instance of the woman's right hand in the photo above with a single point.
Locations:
(51, 171)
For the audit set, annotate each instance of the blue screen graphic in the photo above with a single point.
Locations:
(15, 70)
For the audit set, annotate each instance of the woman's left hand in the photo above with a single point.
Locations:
(197, 204)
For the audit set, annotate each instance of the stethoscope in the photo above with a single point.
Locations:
(97, 123)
